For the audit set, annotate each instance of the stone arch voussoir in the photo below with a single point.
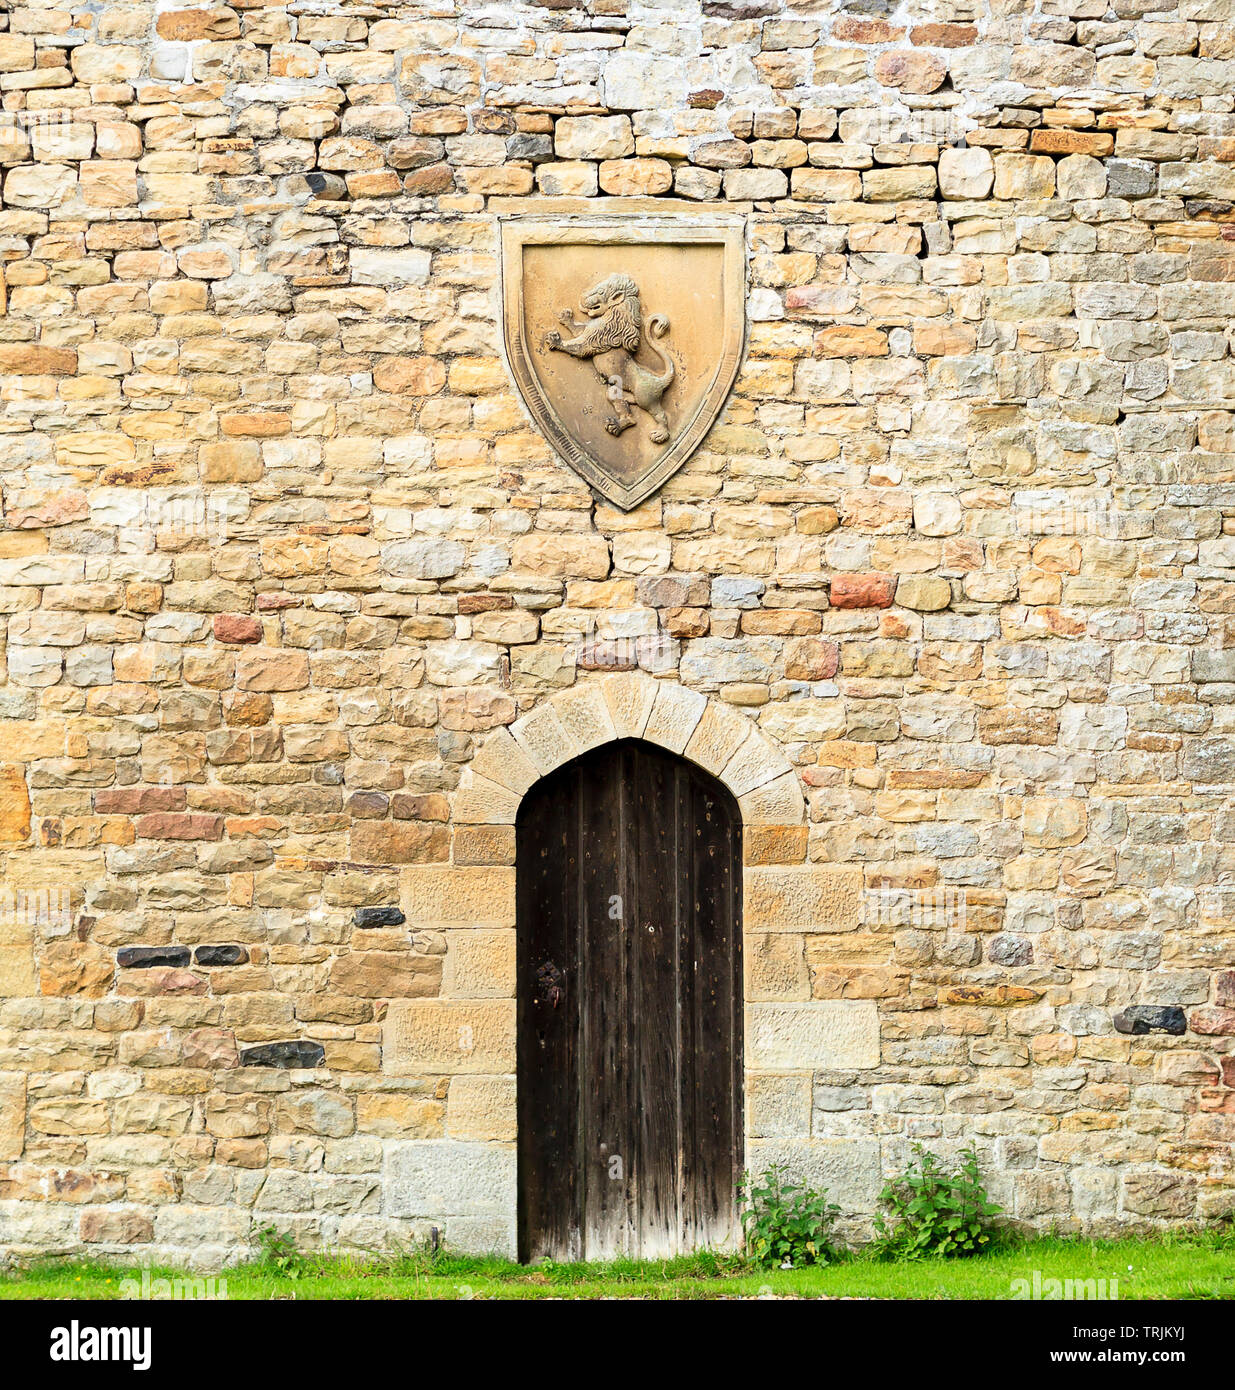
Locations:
(630, 704)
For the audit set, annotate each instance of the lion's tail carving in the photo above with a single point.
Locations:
(658, 326)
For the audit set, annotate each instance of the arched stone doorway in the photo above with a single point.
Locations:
(467, 1178)
(629, 1007)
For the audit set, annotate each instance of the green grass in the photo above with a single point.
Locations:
(1182, 1266)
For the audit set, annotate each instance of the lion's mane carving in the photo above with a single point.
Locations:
(609, 337)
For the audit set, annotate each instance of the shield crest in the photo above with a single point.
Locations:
(624, 336)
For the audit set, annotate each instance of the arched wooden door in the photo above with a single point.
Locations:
(630, 1008)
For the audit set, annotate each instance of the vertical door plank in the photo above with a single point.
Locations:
(605, 1096)
(716, 1014)
(547, 1005)
(655, 1006)
(688, 1020)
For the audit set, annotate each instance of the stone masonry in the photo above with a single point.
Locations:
(295, 603)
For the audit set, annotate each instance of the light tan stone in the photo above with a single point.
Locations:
(755, 763)
(630, 698)
(1024, 176)
(501, 760)
(776, 967)
(442, 1037)
(675, 716)
(394, 1115)
(459, 896)
(826, 1034)
(778, 802)
(778, 1106)
(585, 557)
(719, 735)
(812, 898)
(584, 715)
(14, 804)
(12, 1115)
(593, 137)
(965, 173)
(17, 974)
(479, 965)
(482, 1107)
(1053, 822)
(544, 738)
(481, 802)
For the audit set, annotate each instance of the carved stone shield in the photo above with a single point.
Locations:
(624, 336)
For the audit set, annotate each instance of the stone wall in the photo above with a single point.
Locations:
(284, 562)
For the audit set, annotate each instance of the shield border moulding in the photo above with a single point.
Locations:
(630, 229)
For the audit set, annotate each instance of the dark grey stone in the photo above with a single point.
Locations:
(283, 1054)
(1151, 1018)
(1213, 665)
(1209, 760)
(533, 147)
(378, 917)
(220, 955)
(1130, 178)
(143, 957)
(1010, 950)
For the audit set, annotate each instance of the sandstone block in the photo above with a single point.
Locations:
(674, 716)
(479, 965)
(635, 178)
(386, 975)
(848, 1167)
(460, 896)
(593, 137)
(778, 1106)
(568, 179)
(237, 628)
(75, 968)
(14, 804)
(16, 53)
(1024, 176)
(272, 671)
(395, 842)
(442, 1177)
(12, 1115)
(119, 1227)
(937, 514)
(825, 1034)
(584, 557)
(40, 186)
(778, 802)
(444, 1037)
(18, 978)
(862, 590)
(812, 897)
(1080, 176)
(911, 71)
(544, 739)
(928, 593)
(393, 1115)
(482, 1108)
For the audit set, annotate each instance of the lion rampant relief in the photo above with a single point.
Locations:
(609, 338)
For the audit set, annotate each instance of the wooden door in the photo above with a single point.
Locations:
(629, 1013)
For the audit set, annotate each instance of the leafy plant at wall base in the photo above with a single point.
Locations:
(935, 1211)
(278, 1251)
(786, 1222)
